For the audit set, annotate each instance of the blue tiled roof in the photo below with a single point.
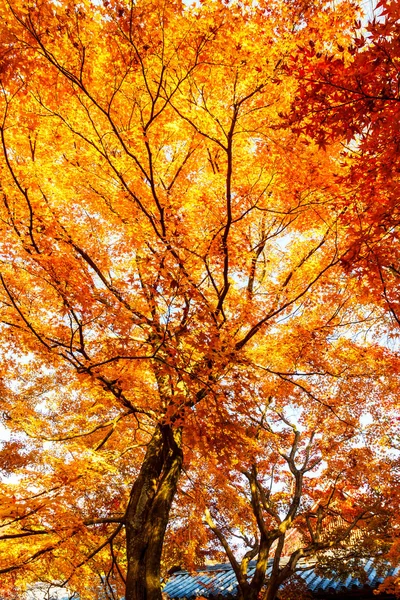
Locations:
(220, 580)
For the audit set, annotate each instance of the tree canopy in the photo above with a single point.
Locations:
(194, 348)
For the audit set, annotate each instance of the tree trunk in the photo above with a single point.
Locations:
(147, 513)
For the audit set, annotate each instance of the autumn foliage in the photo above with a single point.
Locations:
(196, 347)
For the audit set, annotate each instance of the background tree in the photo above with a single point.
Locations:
(350, 93)
(302, 486)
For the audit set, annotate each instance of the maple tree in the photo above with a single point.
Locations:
(168, 253)
(350, 92)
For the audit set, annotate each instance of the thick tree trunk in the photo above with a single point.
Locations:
(148, 510)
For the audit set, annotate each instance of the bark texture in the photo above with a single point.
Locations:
(148, 511)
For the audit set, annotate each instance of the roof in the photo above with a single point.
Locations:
(220, 580)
